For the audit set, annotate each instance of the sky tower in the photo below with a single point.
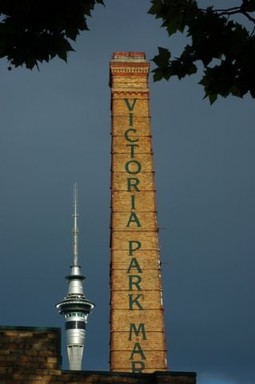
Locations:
(75, 306)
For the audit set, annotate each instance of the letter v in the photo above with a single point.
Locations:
(130, 107)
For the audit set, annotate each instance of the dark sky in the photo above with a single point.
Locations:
(55, 130)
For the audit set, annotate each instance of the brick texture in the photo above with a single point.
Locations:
(32, 356)
(137, 323)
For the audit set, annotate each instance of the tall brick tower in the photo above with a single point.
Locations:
(137, 321)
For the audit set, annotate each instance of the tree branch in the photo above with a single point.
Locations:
(233, 11)
(224, 10)
(248, 16)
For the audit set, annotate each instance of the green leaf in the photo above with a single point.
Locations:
(35, 31)
(212, 98)
(250, 6)
(163, 57)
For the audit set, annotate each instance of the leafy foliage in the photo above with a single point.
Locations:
(35, 31)
(225, 47)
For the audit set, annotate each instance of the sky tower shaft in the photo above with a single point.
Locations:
(75, 307)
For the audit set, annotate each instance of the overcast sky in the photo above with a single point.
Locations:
(55, 130)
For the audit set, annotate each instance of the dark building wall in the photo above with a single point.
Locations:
(31, 355)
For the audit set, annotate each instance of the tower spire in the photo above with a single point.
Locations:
(75, 225)
(75, 306)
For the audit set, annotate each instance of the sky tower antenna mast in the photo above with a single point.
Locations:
(75, 306)
(75, 225)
